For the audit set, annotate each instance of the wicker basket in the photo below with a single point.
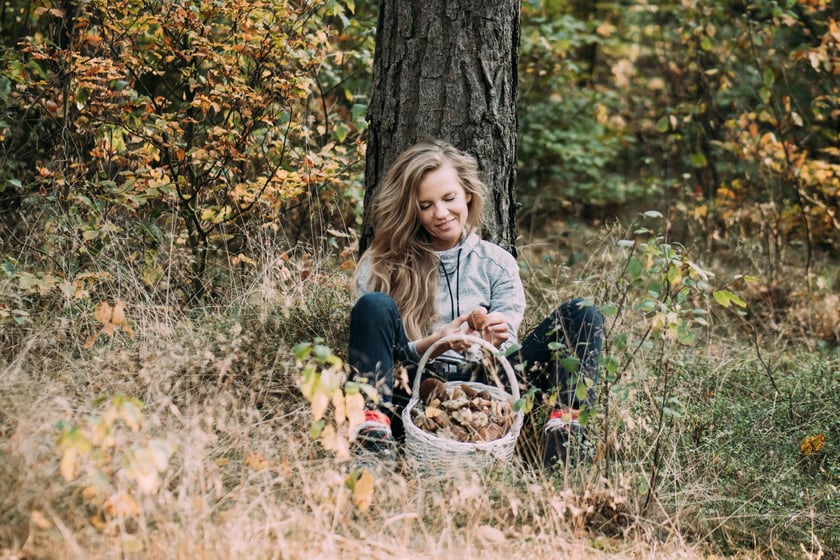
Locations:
(432, 453)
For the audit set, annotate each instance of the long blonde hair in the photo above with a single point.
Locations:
(400, 259)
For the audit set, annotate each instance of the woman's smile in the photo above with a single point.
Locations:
(444, 207)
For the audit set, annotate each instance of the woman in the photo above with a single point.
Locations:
(426, 270)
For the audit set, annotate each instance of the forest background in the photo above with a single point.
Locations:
(180, 196)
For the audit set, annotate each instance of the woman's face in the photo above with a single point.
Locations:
(443, 204)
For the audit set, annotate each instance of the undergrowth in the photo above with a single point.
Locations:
(187, 435)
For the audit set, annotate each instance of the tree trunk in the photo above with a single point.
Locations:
(447, 69)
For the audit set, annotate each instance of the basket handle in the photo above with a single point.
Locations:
(514, 385)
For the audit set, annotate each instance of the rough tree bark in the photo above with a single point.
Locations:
(448, 69)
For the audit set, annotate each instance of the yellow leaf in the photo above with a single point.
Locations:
(355, 406)
(129, 410)
(339, 408)
(332, 377)
(67, 466)
(310, 382)
(320, 402)
(333, 441)
(363, 491)
(329, 437)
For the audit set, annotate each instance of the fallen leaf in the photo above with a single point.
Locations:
(39, 519)
(812, 444)
(363, 490)
(490, 534)
(256, 461)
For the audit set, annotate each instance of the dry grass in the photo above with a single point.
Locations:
(247, 481)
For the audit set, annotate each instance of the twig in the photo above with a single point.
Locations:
(769, 371)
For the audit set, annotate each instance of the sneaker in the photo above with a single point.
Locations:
(372, 439)
(565, 439)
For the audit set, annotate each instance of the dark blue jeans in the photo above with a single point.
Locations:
(378, 340)
(574, 330)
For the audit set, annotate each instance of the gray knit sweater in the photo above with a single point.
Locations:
(475, 273)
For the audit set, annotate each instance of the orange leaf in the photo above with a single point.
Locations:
(257, 461)
(812, 444)
(89, 342)
(102, 312)
(112, 318)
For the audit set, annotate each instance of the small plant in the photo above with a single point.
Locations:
(113, 458)
(661, 300)
(337, 406)
(323, 383)
(660, 293)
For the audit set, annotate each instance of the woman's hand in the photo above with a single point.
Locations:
(454, 327)
(493, 329)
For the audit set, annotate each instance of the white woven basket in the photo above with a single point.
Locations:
(432, 453)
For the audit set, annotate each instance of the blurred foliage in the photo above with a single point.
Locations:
(724, 114)
(571, 143)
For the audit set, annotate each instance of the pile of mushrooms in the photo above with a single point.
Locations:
(461, 412)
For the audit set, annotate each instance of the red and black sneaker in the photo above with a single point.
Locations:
(565, 439)
(372, 439)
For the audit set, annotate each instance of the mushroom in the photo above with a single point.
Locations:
(431, 389)
(478, 319)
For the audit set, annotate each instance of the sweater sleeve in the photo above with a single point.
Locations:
(508, 297)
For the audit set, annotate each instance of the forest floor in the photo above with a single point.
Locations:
(184, 433)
